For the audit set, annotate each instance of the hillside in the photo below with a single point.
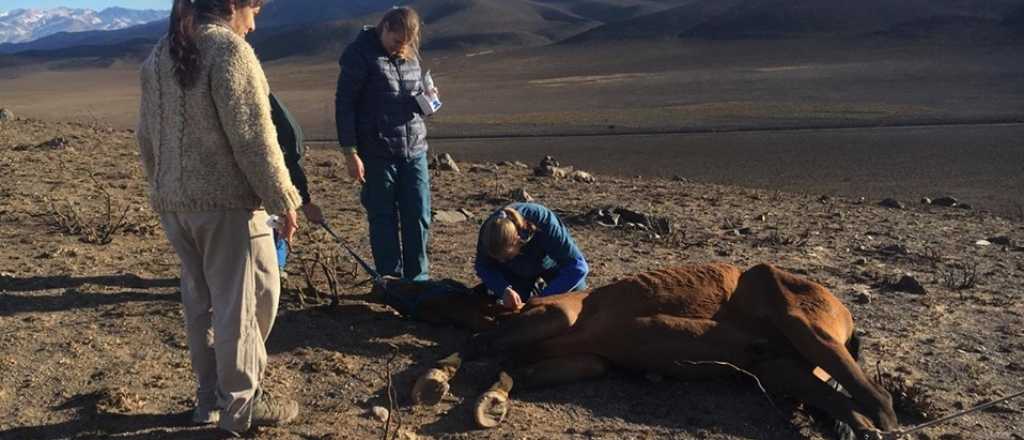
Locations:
(475, 23)
(753, 19)
(92, 343)
(316, 28)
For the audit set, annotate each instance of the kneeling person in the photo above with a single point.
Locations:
(522, 244)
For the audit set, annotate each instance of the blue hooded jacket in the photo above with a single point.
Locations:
(550, 248)
(375, 105)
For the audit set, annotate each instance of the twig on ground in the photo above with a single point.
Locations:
(749, 374)
(393, 410)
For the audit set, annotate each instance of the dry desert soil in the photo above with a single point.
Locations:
(92, 343)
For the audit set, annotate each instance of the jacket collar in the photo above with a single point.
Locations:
(368, 38)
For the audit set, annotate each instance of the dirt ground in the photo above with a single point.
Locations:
(92, 343)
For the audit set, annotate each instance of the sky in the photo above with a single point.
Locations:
(7, 5)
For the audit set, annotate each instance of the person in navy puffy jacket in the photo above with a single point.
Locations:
(384, 139)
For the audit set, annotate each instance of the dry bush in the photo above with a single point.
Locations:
(67, 218)
(931, 255)
(732, 222)
(960, 276)
(119, 401)
(325, 267)
(908, 398)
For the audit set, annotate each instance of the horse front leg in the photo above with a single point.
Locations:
(533, 325)
(493, 405)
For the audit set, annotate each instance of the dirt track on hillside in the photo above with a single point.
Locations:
(92, 344)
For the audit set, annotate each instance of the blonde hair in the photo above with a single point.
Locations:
(503, 231)
(406, 21)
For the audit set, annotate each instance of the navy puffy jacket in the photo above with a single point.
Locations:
(375, 107)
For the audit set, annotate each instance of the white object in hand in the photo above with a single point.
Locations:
(274, 221)
(428, 101)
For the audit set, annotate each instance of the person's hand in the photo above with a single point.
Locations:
(355, 167)
(289, 224)
(436, 93)
(313, 213)
(511, 299)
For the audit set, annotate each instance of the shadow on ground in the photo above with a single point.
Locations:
(27, 284)
(90, 422)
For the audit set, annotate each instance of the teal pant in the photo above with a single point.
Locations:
(396, 196)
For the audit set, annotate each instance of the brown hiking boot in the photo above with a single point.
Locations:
(268, 410)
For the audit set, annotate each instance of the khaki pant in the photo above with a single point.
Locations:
(229, 289)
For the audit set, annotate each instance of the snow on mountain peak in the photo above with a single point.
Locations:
(22, 25)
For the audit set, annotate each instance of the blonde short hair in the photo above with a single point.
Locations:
(502, 232)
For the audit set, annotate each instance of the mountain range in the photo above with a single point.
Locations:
(317, 27)
(24, 25)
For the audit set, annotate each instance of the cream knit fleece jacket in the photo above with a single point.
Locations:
(213, 146)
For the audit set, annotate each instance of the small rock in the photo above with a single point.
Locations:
(909, 284)
(515, 164)
(983, 243)
(636, 226)
(582, 176)
(860, 261)
(678, 178)
(894, 249)
(551, 171)
(548, 161)
(891, 203)
(380, 413)
(825, 198)
(520, 195)
(449, 216)
(945, 201)
(481, 168)
(465, 212)
(862, 297)
(57, 143)
(926, 201)
(1001, 240)
(445, 162)
(861, 294)
(6, 115)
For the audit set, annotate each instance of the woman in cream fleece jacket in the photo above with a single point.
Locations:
(210, 153)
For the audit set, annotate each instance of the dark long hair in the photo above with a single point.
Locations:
(184, 17)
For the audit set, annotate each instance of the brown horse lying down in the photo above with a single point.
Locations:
(789, 332)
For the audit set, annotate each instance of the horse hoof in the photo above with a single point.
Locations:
(491, 409)
(430, 388)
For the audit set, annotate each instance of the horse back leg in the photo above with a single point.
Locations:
(817, 326)
(796, 378)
